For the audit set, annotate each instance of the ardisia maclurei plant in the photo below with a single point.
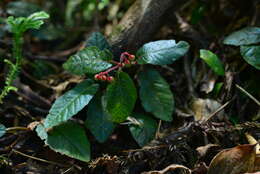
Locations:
(18, 26)
(109, 95)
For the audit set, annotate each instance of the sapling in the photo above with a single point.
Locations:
(18, 26)
(109, 104)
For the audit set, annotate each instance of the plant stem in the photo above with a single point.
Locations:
(111, 69)
(17, 51)
(14, 68)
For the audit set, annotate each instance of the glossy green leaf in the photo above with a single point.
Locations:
(21, 24)
(68, 138)
(245, 36)
(251, 54)
(2, 130)
(120, 97)
(98, 40)
(97, 120)
(162, 52)
(155, 94)
(145, 131)
(213, 61)
(89, 60)
(21, 8)
(71, 103)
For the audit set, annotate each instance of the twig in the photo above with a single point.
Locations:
(145, 148)
(218, 110)
(39, 159)
(157, 134)
(188, 75)
(11, 129)
(249, 95)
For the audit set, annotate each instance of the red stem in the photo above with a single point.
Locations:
(111, 69)
(118, 64)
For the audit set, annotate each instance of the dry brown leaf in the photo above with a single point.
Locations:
(240, 159)
(203, 108)
(257, 164)
(169, 168)
(33, 125)
(203, 150)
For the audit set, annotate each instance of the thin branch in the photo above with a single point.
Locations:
(218, 110)
(249, 95)
(39, 159)
(12, 129)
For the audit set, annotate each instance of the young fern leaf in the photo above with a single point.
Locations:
(21, 24)
(18, 26)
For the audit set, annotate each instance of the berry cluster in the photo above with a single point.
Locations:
(125, 59)
(104, 77)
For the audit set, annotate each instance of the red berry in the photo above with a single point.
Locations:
(103, 77)
(132, 57)
(127, 62)
(110, 79)
(97, 77)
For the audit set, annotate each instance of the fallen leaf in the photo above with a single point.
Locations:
(257, 164)
(240, 159)
(169, 168)
(203, 108)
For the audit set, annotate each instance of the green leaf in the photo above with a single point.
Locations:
(21, 8)
(245, 36)
(70, 103)
(145, 131)
(98, 40)
(120, 97)
(89, 60)
(21, 24)
(97, 121)
(251, 54)
(162, 52)
(2, 130)
(213, 61)
(40, 130)
(68, 138)
(155, 94)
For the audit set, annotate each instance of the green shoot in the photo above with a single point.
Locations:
(18, 26)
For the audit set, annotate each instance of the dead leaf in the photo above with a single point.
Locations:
(203, 108)
(200, 168)
(33, 125)
(203, 150)
(208, 85)
(257, 164)
(111, 163)
(169, 168)
(240, 159)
